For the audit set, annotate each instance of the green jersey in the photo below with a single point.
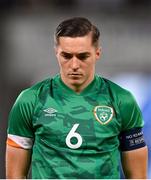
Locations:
(73, 135)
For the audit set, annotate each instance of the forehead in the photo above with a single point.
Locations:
(74, 44)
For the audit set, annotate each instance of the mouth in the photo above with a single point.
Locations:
(75, 75)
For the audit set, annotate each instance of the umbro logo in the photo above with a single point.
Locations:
(50, 112)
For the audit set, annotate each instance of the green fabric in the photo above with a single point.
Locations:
(49, 112)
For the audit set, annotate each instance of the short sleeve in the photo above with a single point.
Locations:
(20, 129)
(130, 112)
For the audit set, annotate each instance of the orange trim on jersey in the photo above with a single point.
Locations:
(12, 143)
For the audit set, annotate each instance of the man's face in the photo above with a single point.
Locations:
(77, 58)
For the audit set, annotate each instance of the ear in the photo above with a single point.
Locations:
(98, 53)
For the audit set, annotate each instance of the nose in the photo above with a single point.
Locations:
(75, 64)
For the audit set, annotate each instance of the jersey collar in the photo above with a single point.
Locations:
(90, 89)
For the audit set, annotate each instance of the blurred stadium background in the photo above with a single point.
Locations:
(26, 49)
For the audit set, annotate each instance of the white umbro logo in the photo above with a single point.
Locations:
(50, 112)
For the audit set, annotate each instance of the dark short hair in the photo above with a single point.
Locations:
(77, 27)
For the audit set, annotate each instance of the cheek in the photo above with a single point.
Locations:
(90, 64)
(90, 68)
(63, 66)
(60, 61)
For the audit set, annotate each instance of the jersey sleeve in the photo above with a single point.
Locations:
(20, 130)
(130, 112)
(131, 136)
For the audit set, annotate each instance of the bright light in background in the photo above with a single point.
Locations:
(136, 83)
(140, 86)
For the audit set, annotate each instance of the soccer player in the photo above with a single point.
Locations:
(76, 124)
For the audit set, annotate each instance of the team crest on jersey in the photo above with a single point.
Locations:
(103, 114)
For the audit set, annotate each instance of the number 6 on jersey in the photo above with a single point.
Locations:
(72, 134)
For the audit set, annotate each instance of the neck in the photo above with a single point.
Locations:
(77, 87)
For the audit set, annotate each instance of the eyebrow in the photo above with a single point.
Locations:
(83, 53)
(76, 54)
(80, 56)
(70, 55)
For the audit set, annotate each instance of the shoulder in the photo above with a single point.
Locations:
(118, 94)
(125, 105)
(115, 89)
(30, 94)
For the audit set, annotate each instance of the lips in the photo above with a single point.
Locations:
(75, 75)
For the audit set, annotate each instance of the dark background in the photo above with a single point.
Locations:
(27, 56)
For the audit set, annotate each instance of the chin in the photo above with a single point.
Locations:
(76, 82)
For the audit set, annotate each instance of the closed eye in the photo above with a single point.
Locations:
(67, 55)
(83, 56)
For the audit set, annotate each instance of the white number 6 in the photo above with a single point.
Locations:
(72, 134)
